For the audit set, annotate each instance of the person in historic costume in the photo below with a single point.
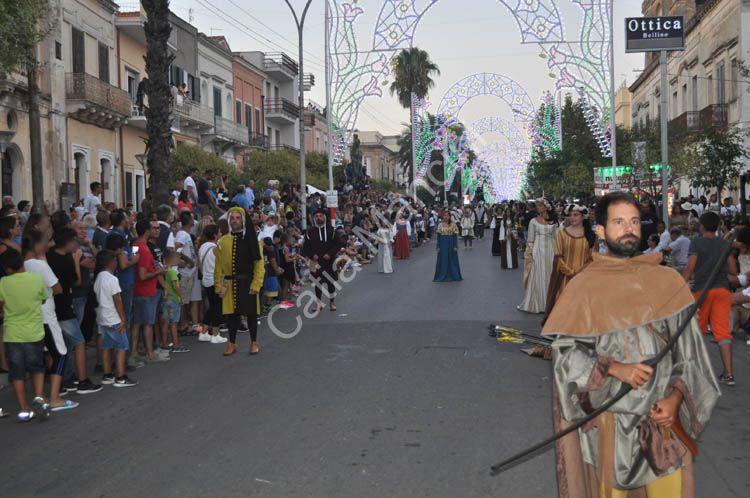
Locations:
(480, 213)
(495, 226)
(538, 258)
(617, 313)
(467, 223)
(402, 231)
(238, 275)
(508, 244)
(574, 246)
(447, 268)
(384, 239)
(321, 247)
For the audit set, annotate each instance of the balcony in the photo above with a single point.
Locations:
(190, 116)
(94, 101)
(232, 131)
(280, 66)
(715, 115)
(284, 147)
(281, 111)
(258, 141)
(686, 122)
(309, 120)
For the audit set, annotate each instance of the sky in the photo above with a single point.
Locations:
(461, 36)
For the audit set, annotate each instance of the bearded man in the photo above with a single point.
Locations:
(617, 313)
(321, 247)
(238, 277)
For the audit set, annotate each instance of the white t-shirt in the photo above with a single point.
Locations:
(680, 248)
(189, 182)
(746, 292)
(48, 308)
(91, 203)
(268, 231)
(188, 249)
(105, 287)
(208, 262)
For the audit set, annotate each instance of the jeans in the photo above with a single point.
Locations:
(126, 293)
(73, 337)
(79, 307)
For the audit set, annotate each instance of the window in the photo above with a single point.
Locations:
(249, 116)
(128, 187)
(278, 138)
(176, 76)
(132, 85)
(238, 111)
(58, 50)
(735, 78)
(720, 80)
(709, 89)
(674, 103)
(79, 52)
(217, 101)
(684, 98)
(103, 62)
(695, 94)
(194, 87)
(258, 124)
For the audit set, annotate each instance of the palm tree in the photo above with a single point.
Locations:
(412, 73)
(158, 126)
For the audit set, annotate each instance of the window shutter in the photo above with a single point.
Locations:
(197, 90)
(79, 54)
(103, 62)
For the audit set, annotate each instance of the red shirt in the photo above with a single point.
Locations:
(144, 287)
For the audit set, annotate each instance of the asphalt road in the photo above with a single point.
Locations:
(399, 393)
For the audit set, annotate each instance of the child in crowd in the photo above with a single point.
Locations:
(271, 281)
(110, 316)
(287, 265)
(21, 297)
(173, 296)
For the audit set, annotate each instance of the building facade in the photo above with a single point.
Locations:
(316, 128)
(248, 97)
(623, 108)
(379, 160)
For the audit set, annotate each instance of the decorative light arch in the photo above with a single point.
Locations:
(493, 84)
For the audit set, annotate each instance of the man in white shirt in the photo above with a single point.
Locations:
(249, 192)
(728, 209)
(664, 237)
(191, 188)
(189, 284)
(269, 228)
(92, 203)
(678, 248)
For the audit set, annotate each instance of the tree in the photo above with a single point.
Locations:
(718, 157)
(412, 73)
(158, 121)
(23, 25)
(189, 156)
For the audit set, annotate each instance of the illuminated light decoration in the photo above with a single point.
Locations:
(601, 134)
(547, 133)
(585, 65)
(491, 84)
(424, 135)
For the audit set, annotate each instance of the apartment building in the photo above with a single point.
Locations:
(316, 128)
(248, 99)
(378, 158)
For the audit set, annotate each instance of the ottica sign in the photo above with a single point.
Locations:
(651, 34)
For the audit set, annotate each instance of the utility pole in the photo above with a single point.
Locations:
(664, 145)
(300, 22)
(612, 124)
(327, 16)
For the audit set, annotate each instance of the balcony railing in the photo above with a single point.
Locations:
(686, 122)
(283, 107)
(714, 115)
(232, 130)
(258, 141)
(87, 88)
(194, 113)
(288, 148)
(279, 60)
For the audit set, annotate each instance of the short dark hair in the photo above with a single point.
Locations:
(64, 236)
(11, 259)
(95, 185)
(210, 231)
(22, 205)
(102, 218)
(7, 224)
(654, 238)
(676, 231)
(115, 241)
(194, 169)
(58, 220)
(142, 226)
(710, 221)
(186, 218)
(104, 258)
(117, 217)
(602, 208)
(30, 239)
(208, 172)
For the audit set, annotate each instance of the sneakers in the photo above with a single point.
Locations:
(217, 339)
(125, 381)
(727, 379)
(134, 362)
(204, 337)
(156, 359)
(87, 387)
(40, 408)
(223, 329)
(286, 305)
(162, 352)
(180, 349)
(108, 379)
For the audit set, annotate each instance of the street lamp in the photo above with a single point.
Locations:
(300, 22)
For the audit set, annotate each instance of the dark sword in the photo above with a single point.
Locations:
(626, 388)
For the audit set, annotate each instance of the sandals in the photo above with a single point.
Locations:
(69, 405)
(40, 408)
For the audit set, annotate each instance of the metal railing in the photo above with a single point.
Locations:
(232, 130)
(687, 121)
(286, 147)
(194, 111)
(715, 115)
(281, 106)
(82, 86)
(279, 60)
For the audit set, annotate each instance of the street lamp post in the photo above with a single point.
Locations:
(300, 22)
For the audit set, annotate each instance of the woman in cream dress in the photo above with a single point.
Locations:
(538, 259)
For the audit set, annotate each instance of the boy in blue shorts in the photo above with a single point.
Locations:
(172, 299)
(21, 297)
(110, 316)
